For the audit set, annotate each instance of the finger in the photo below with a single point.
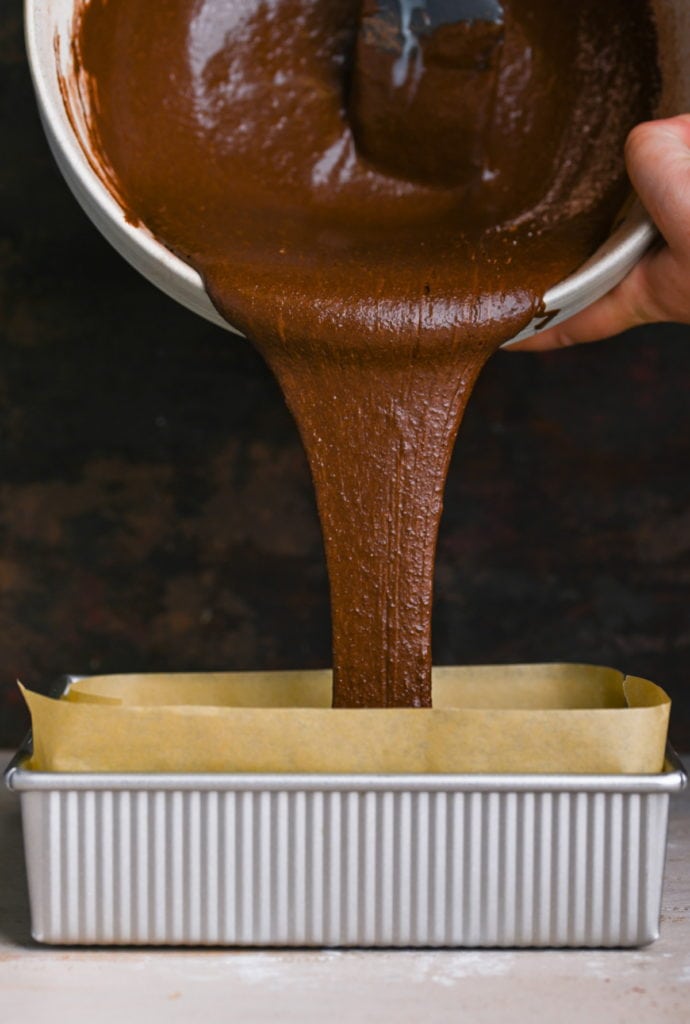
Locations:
(658, 160)
(627, 305)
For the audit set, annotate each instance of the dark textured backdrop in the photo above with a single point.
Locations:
(156, 510)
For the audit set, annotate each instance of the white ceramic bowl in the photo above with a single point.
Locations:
(48, 26)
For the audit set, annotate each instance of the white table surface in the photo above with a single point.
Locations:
(129, 986)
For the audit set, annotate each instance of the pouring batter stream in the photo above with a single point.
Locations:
(376, 237)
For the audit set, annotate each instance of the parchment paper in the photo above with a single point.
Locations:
(518, 718)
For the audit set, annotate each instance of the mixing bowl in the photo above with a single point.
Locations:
(48, 31)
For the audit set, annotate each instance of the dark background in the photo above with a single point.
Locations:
(156, 510)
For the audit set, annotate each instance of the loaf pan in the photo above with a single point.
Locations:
(345, 860)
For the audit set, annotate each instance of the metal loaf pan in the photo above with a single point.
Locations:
(345, 860)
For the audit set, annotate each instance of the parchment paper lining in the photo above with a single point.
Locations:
(518, 718)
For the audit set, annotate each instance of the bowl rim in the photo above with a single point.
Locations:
(51, 106)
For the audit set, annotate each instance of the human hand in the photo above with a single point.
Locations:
(657, 155)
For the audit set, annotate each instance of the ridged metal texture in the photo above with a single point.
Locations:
(340, 867)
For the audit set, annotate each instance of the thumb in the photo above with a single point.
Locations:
(658, 159)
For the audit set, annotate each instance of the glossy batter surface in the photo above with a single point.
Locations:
(228, 127)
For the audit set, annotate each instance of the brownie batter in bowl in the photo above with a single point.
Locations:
(376, 235)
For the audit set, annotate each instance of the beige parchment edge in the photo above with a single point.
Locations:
(516, 719)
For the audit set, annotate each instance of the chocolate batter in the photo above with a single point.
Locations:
(377, 235)
(421, 73)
